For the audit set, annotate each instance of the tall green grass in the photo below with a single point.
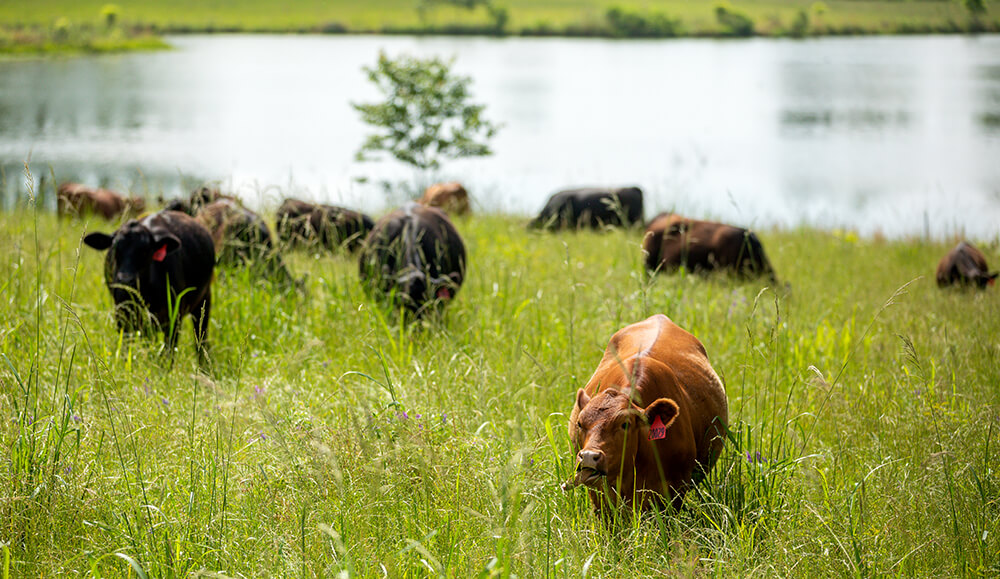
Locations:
(328, 439)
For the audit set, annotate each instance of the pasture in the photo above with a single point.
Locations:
(329, 439)
(771, 17)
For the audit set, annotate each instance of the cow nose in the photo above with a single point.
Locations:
(590, 459)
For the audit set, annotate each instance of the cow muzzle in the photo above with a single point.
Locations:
(590, 468)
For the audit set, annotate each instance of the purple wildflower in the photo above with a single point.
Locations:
(76, 418)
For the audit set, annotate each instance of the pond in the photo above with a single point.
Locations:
(898, 135)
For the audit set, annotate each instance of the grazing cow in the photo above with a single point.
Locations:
(241, 237)
(333, 227)
(197, 199)
(672, 241)
(152, 261)
(591, 207)
(77, 200)
(652, 419)
(451, 198)
(414, 256)
(965, 265)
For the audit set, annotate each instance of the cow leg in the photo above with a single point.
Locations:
(200, 318)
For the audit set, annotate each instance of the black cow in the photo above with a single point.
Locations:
(591, 207)
(300, 222)
(150, 263)
(242, 238)
(415, 257)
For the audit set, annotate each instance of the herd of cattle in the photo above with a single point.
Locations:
(649, 423)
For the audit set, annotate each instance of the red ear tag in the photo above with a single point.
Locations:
(159, 254)
(657, 430)
(443, 294)
(992, 281)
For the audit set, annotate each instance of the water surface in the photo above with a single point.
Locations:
(898, 134)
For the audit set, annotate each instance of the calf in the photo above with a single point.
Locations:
(241, 237)
(591, 207)
(74, 199)
(965, 265)
(672, 241)
(652, 419)
(451, 198)
(415, 257)
(333, 227)
(152, 261)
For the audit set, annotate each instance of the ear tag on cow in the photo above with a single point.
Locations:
(992, 281)
(657, 430)
(161, 253)
(443, 294)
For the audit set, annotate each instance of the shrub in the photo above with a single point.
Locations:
(733, 23)
(625, 24)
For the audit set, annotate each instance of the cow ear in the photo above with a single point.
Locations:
(99, 241)
(167, 241)
(581, 398)
(663, 408)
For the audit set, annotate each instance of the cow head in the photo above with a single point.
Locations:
(608, 430)
(132, 249)
(986, 279)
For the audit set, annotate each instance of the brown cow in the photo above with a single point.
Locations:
(76, 200)
(197, 199)
(672, 241)
(651, 420)
(242, 238)
(451, 198)
(965, 265)
(303, 223)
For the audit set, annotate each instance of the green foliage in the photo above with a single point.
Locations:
(626, 24)
(110, 13)
(800, 26)
(976, 8)
(819, 8)
(426, 115)
(733, 22)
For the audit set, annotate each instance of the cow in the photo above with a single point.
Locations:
(241, 237)
(965, 265)
(76, 200)
(303, 223)
(651, 421)
(672, 241)
(197, 199)
(152, 263)
(452, 198)
(415, 257)
(591, 207)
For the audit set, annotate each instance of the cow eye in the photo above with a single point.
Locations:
(579, 425)
(625, 425)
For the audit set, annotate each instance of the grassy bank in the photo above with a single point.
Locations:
(628, 18)
(327, 438)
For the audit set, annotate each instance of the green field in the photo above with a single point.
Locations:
(327, 439)
(771, 17)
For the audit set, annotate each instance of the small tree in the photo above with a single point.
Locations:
(425, 116)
